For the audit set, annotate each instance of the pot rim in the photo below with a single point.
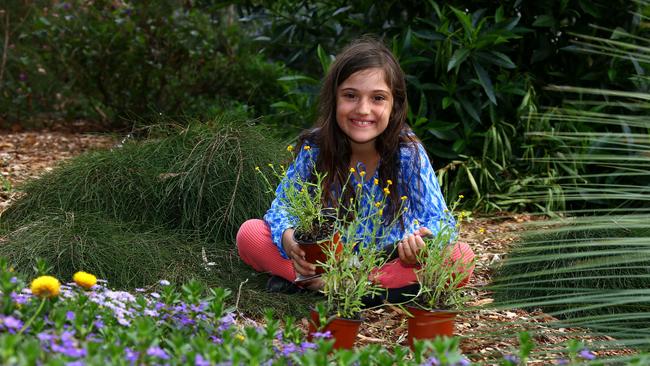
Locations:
(301, 242)
(418, 307)
(360, 319)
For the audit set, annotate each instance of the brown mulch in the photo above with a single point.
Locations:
(27, 155)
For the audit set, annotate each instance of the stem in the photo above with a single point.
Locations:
(29, 322)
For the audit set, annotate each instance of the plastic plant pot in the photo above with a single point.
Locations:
(426, 324)
(344, 331)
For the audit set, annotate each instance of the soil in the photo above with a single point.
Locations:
(27, 155)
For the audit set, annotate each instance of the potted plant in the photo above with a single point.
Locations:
(434, 308)
(348, 268)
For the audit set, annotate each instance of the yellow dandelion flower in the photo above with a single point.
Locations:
(270, 165)
(376, 182)
(257, 168)
(386, 191)
(290, 148)
(377, 204)
(307, 148)
(46, 286)
(381, 212)
(481, 230)
(362, 174)
(359, 185)
(84, 279)
(406, 209)
(351, 200)
(389, 182)
(352, 170)
(416, 222)
(240, 337)
(403, 198)
(460, 196)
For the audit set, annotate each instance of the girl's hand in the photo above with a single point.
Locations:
(296, 254)
(409, 247)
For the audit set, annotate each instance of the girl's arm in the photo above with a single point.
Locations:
(277, 217)
(427, 207)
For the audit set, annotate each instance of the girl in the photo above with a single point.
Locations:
(362, 125)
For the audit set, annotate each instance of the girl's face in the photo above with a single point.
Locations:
(363, 106)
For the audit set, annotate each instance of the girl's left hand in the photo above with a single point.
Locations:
(409, 247)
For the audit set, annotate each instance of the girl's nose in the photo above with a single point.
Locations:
(363, 107)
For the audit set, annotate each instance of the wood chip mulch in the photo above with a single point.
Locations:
(26, 155)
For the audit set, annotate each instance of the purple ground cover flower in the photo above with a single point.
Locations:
(164, 283)
(20, 299)
(226, 322)
(69, 316)
(131, 355)
(288, 349)
(99, 324)
(512, 359)
(431, 361)
(155, 351)
(10, 323)
(200, 361)
(326, 334)
(304, 346)
(587, 354)
(155, 295)
(13, 280)
(151, 313)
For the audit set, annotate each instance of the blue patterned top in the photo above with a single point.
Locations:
(425, 203)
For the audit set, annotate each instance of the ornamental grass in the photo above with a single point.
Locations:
(164, 206)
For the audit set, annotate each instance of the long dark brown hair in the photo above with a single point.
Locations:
(334, 157)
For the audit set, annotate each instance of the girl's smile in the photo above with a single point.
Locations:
(363, 106)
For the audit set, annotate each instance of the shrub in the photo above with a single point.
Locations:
(105, 60)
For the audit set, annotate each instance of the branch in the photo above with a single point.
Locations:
(6, 46)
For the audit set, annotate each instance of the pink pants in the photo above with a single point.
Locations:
(258, 251)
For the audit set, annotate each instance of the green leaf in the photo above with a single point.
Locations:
(465, 20)
(501, 59)
(458, 57)
(469, 108)
(498, 16)
(325, 60)
(44, 21)
(485, 81)
(472, 181)
(430, 35)
(446, 102)
(544, 21)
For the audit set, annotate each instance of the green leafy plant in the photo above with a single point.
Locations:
(349, 273)
(302, 201)
(439, 275)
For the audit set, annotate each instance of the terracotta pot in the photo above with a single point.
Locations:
(314, 252)
(344, 331)
(426, 324)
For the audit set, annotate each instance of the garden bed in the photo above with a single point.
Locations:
(26, 155)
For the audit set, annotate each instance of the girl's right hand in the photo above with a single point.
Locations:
(296, 254)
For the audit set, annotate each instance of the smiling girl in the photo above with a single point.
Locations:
(361, 125)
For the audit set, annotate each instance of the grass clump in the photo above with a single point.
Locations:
(200, 178)
(165, 207)
(592, 272)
